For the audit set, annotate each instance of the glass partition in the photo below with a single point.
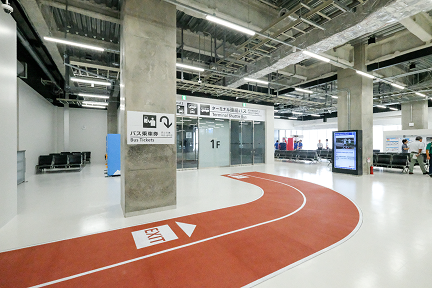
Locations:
(214, 149)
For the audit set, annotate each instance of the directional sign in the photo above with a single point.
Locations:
(150, 128)
(153, 236)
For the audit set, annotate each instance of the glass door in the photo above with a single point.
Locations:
(259, 142)
(190, 142)
(241, 142)
(247, 142)
(187, 142)
(179, 143)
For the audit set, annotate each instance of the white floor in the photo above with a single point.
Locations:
(393, 247)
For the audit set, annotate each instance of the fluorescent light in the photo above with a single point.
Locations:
(91, 47)
(294, 112)
(189, 67)
(90, 81)
(304, 90)
(257, 81)
(394, 109)
(95, 103)
(293, 118)
(315, 115)
(316, 56)
(277, 116)
(230, 25)
(94, 106)
(93, 95)
(365, 74)
(381, 106)
(336, 97)
(397, 86)
(420, 94)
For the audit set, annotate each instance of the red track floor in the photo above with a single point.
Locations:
(292, 220)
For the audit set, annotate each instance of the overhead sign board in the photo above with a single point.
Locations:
(219, 111)
(150, 128)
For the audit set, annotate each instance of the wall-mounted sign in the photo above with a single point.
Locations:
(150, 128)
(219, 111)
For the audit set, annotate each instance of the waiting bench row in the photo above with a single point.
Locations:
(63, 161)
(297, 155)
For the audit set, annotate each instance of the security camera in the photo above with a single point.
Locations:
(199, 81)
(7, 8)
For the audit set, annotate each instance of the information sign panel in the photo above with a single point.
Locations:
(347, 153)
(150, 128)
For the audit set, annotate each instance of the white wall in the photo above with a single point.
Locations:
(37, 125)
(87, 132)
(8, 119)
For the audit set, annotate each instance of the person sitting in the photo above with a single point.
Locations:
(405, 146)
(320, 145)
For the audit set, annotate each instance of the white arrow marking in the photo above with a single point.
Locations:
(187, 228)
(237, 176)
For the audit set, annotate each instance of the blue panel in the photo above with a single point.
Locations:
(113, 154)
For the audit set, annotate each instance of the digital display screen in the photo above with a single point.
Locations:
(345, 149)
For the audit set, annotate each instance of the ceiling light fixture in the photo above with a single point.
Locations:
(189, 67)
(230, 25)
(90, 81)
(277, 116)
(335, 97)
(294, 112)
(397, 86)
(394, 109)
(94, 106)
(95, 103)
(420, 94)
(365, 74)
(61, 41)
(315, 115)
(315, 56)
(257, 81)
(93, 95)
(293, 118)
(303, 90)
(381, 106)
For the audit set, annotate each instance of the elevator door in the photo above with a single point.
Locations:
(187, 143)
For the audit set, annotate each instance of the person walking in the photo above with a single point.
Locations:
(405, 146)
(428, 155)
(415, 149)
(320, 145)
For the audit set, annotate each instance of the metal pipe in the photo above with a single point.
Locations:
(28, 47)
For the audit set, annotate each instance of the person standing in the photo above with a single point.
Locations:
(415, 149)
(300, 145)
(276, 145)
(320, 145)
(295, 145)
(428, 155)
(405, 146)
(327, 144)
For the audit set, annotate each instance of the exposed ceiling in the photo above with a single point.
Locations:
(227, 55)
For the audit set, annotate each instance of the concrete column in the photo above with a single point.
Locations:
(148, 84)
(355, 103)
(112, 119)
(415, 113)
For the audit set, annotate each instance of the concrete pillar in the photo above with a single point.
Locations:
(148, 84)
(415, 115)
(356, 111)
